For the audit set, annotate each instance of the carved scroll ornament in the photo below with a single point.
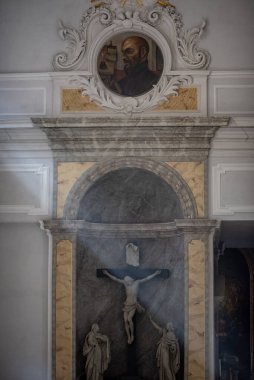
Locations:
(110, 12)
(149, 18)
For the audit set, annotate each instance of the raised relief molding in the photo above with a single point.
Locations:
(217, 172)
(19, 101)
(232, 93)
(29, 209)
(230, 87)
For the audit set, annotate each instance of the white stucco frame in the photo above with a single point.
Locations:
(161, 23)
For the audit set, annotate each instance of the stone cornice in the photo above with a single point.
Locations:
(176, 137)
(151, 230)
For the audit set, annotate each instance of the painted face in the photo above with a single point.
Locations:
(133, 52)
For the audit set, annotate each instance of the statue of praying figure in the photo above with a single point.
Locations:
(97, 351)
(168, 352)
(131, 303)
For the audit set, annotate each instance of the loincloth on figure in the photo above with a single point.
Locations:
(132, 307)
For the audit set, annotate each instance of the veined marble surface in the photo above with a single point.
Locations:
(196, 301)
(194, 174)
(67, 174)
(186, 100)
(63, 324)
(74, 101)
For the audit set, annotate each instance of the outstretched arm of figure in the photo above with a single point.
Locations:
(155, 324)
(112, 277)
(101, 337)
(149, 277)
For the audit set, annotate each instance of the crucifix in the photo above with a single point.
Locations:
(131, 278)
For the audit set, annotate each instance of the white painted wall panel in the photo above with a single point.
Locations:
(23, 95)
(234, 99)
(24, 188)
(237, 188)
(22, 101)
(25, 191)
(231, 93)
(232, 186)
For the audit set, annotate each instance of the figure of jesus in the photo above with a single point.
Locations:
(131, 303)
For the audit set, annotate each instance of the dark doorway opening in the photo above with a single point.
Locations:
(234, 269)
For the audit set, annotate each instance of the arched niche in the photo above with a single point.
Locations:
(179, 200)
(130, 195)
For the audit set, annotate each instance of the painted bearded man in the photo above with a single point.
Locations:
(139, 79)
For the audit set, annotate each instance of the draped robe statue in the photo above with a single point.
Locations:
(97, 351)
(168, 352)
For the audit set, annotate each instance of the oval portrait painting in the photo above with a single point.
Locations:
(130, 64)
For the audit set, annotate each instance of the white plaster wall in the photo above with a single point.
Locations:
(29, 37)
(23, 302)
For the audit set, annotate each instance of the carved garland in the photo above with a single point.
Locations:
(96, 91)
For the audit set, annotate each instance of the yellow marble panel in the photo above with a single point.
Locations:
(64, 310)
(194, 174)
(186, 100)
(74, 101)
(67, 174)
(196, 307)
